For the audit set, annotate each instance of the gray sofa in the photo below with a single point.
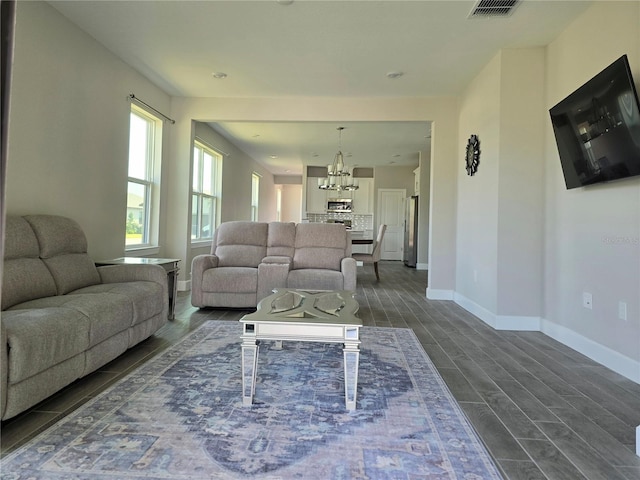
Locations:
(249, 259)
(62, 317)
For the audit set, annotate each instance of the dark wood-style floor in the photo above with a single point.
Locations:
(543, 410)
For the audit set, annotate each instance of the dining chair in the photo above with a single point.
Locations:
(374, 256)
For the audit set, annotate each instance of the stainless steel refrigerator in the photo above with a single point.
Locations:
(411, 231)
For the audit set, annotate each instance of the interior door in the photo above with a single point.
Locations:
(391, 213)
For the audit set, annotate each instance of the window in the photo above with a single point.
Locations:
(255, 195)
(145, 140)
(205, 196)
(279, 204)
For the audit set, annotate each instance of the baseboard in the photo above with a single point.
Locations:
(184, 285)
(611, 359)
(499, 322)
(422, 266)
(436, 294)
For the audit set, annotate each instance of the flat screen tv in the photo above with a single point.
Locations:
(597, 128)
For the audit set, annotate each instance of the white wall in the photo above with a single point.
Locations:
(592, 235)
(477, 206)
(527, 248)
(291, 203)
(69, 127)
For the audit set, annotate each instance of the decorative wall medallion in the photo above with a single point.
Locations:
(473, 154)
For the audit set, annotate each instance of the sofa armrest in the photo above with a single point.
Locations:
(4, 369)
(348, 266)
(199, 265)
(280, 259)
(133, 273)
(272, 274)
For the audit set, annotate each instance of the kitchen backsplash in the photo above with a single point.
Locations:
(358, 221)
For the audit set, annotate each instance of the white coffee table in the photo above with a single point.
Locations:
(303, 316)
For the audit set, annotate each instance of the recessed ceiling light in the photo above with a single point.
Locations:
(255, 136)
(394, 74)
(396, 155)
(219, 75)
(273, 156)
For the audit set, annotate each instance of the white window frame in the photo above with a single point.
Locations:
(255, 195)
(279, 203)
(199, 193)
(151, 182)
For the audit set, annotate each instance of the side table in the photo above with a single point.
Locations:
(169, 264)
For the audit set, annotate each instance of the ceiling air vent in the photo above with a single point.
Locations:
(493, 8)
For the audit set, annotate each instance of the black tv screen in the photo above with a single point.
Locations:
(597, 128)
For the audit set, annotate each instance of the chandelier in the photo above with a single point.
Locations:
(338, 175)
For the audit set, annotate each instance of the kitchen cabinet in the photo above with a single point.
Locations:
(363, 197)
(316, 198)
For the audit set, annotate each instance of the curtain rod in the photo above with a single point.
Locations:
(169, 119)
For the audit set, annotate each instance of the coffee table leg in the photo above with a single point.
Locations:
(249, 365)
(351, 360)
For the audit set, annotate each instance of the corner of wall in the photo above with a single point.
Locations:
(184, 285)
(499, 322)
(438, 294)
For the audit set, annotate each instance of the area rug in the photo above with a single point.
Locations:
(180, 416)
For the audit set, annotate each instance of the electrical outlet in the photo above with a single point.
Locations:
(622, 310)
(587, 300)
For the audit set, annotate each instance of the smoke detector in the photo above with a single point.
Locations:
(493, 8)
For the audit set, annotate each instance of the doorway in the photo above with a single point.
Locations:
(391, 213)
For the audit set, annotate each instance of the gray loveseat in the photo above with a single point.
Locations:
(249, 259)
(62, 317)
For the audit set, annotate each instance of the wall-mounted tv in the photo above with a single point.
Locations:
(597, 128)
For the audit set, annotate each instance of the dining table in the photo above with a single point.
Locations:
(362, 241)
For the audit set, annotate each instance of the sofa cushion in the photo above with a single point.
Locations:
(25, 279)
(25, 276)
(319, 245)
(282, 239)
(41, 338)
(330, 235)
(105, 313)
(318, 257)
(72, 271)
(143, 298)
(241, 244)
(315, 279)
(57, 235)
(230, 280)
(63, 248)
(20, 240)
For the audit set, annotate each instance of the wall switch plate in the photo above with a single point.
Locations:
(622, 310)
(587, 300)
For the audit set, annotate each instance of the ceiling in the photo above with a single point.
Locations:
(316, 48)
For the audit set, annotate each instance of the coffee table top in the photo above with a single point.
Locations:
(307, 306)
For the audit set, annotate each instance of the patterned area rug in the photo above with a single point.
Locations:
(180, 416)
